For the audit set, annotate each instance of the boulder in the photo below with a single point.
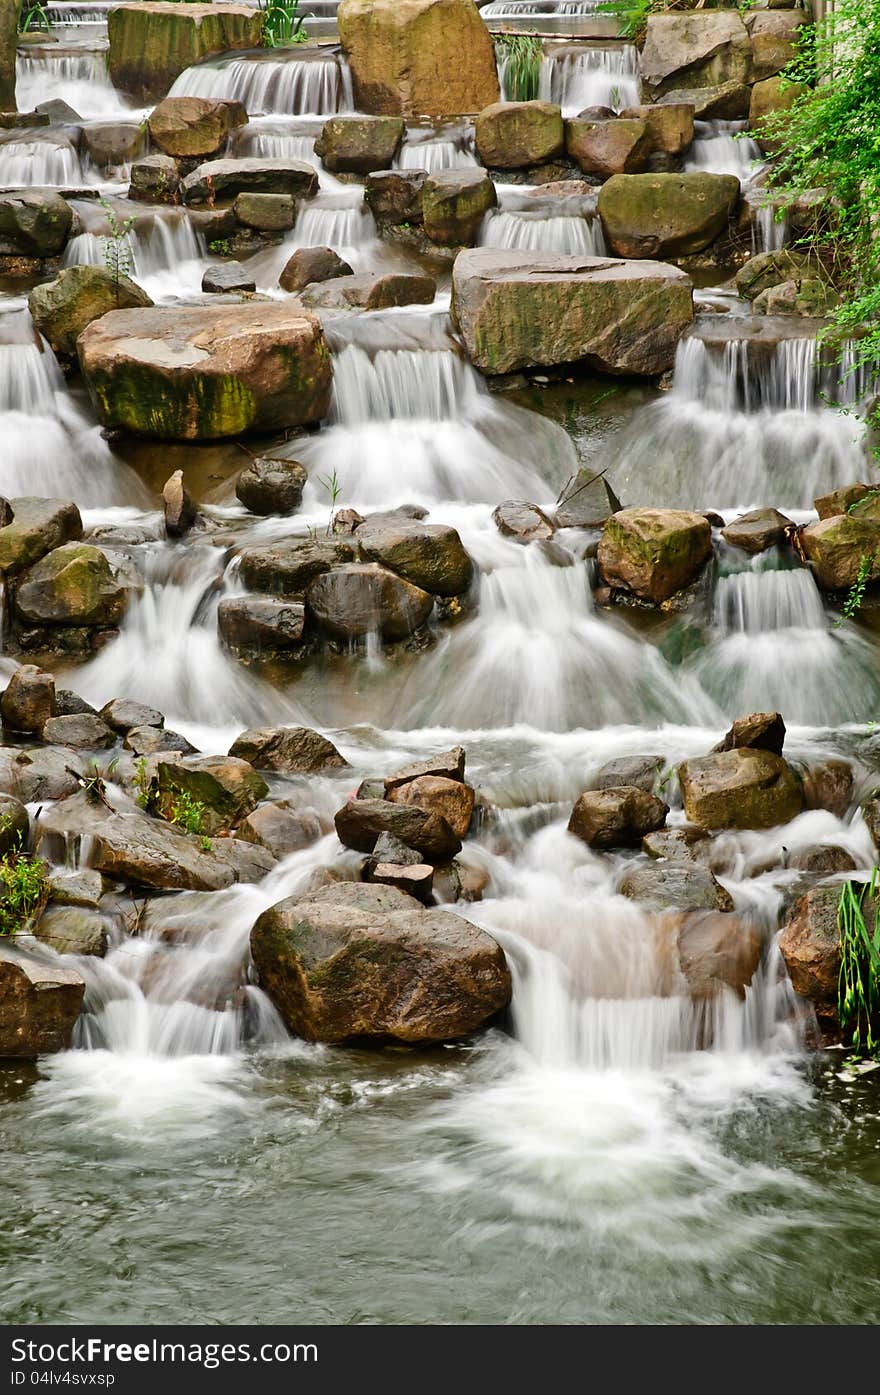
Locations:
(28, 700)
(617, 817)
(286, 568)
(39, 1003)
(15, 825)
(72, 585)
(224, 788)
(606, 147)
(357, 961)
(454, 204)
(204, 372)
(228, 278)
(675, 886)
(84, 888)
(449, 765)
(430, 555)
(152, 43)
(761, 731)
(682, 844)
(359, 144)
(281, 828)
(112, 144)
(226, 179)
(361, 822)
(768, 269)
(758, 530)
(62, 308)
(34, 223)
(123, 715)
(256, 623)
(866, 496)
(536, 309)
(666, 215)
(80, 731)
(249, 861)
(727, 101)
(822, 860)
(73, 930)
(192, 127)
(810, 945)
(290, 750)
(642, 772)
(178, 508)
(694, 50)
(40, 773)
(522, 521)
(37, 526)
(773, 95)
(269, 213)
(9, 16)
(271, 484)
(154, 179)
(452, 799)
(416, 879)
(774, 39)
(587, 501)
(395, 196)
(514, 135)
(359, 599)
(840, 550)
(146, 741)
(810, 298)
(742, 788)
(670, 124)
(654, 552)
(717, 951)
(310, 264)
(829, 785)
(370, 290)
(418, 57)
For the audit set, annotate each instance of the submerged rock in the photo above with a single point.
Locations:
(741, 788)
(677, 886)
(654, 552)
(39, 1003)
(717, 950)
(616, 817)
(357, 961)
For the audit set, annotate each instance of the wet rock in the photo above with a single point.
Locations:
(617, 146)
(829, 785)
(34, 223)
(416, 880)
(452, 799)
(310, 264)
(360, 822)
(823, 860)
(198, 373)
(151, 44)
(62, 308)
(39, 525)
(261, 623)
(359, 599)
(180, 511)
(810, 297)
(683, 51)
(670, 124)
(430, 58)
(112, 144)
(269, 213)
(73, 930)
(762, 731)
(83, 888)
(123, 715)
(88, 733)
(39, 1004)
(249, 861)
(758, 530)
(768, 269)
(224, 788)
(290, 750)
(514, 135)
(717, 950)
(810, 945)
(523, 522)
(742, 788)
(60, 113)
(865, 496)
(615, 818)
(271, 485)
(531, 309)
(40, 773)
(395, 196)
(228, 278)
(839, 549)
(666, 215)
(727, 101)
(358, 961)
(588, 501)
(286, 568)
(371, 290)
(189, 127)
(154, 179)
(147, 740)
(15, 825)
(226, 179)
(29, 699)
(281, 828)
(454, 203)
(430, 555)
(449, 765)
(676, 886)
(641, 772)
(654, 552)
(681, 844)
(359, 144)
(6, 512)
(72, 585)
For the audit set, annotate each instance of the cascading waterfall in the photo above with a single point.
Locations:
(450, 147)
(527, 9)
(338, 220)
(309, 82)
(273, 142)
(29, 159)
(167, 254)
(80, 78)
(722, 148)
(531, 223)
(588, 76)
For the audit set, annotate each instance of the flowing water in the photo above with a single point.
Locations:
(309, 82)
(613, 1152)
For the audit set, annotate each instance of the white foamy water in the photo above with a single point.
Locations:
(576, 78)
(306, 84)
(79, 78)
(722, 147)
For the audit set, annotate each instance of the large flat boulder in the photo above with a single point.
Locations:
(226, 179)
(357, 961)
(654, 552)
(151, 44)
(200, 373)
(666, 215)
(742, 788)
(694, 50)
(39, 1003)
(533, 309)
(418, 57)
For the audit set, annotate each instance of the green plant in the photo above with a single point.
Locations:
(856, 594)
(333, 487)
(521, 57)
(220, 246)
(33, 17)
(187, 812)
(282, 23)
(143, 784)
(117, 248)
(858, 984)
(23, 890)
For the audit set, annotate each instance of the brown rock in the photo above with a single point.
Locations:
(836, 546)
(290, 750)
(281, 828)
(449, 765)
(514, 135)
(613, 818)
(261, 623)
(371, 290)
(608, 147)
(454, 204)
(717, 950)
(810, 946)
(29, 699)
(522, 521)
(360, 823)
(758, 530)
(452, 799)
(829, 785)
(180, 511)
(359, 599)
(682, 844)
(190, 126)
(670, 124)
(654, 552)
(310, 264)
(824, 860)
(271, 485)
(741, 788)
(39, 1004)
(762, 731)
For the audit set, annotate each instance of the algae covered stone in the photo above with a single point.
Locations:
(514, 135)
(666, 215)
(61, 309)
(152, 44)
(654, 552)
(72, 585)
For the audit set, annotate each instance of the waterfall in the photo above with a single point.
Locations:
(29, 375)
(167, 254)
(741, 375)
(271, 143)
(576, 234)
(338, 220)
(79, 78)
(303, 83)
(448, 148)
(44, 163)
(527, 9)
(722, 148)
(585, 76)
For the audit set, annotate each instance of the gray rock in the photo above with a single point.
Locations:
(39, 1003)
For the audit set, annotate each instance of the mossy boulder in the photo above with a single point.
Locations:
(34, 223)
(514, 135)
(654, 552)
(666, 215)
(773, 95)
(841, 547)
(152, 43)
(359, 144)
(61, 309)
(430, 555)
(219, 790)
(200, 373)
(768, 269)
(694, 50)
(811, 297)
(454, 203)
(72, 585)
(742, 788)
(154, 179)
(36, 527)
